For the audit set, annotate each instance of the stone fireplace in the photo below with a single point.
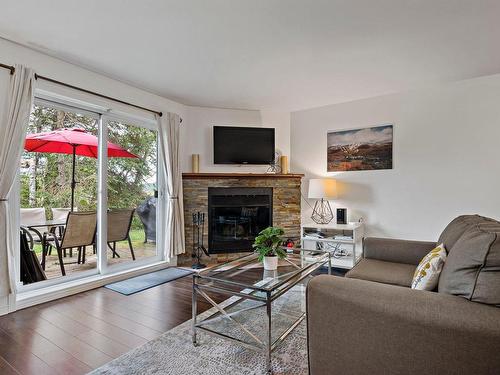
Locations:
(237, 206)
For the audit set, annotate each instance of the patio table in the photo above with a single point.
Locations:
(42, 224)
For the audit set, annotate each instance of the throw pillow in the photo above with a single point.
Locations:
(426, 275)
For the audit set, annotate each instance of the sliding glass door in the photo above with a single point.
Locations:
(132, 203)
(58, 175)
(86, 171)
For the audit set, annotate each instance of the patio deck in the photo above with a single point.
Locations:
(53, 270)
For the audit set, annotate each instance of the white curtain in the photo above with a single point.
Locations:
(12, 134)
(169, 136)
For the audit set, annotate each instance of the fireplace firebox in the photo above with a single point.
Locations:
(236, 216)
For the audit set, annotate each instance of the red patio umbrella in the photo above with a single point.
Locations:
(72, 141)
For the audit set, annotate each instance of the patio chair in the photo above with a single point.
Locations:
(30, 269)
(29, 238)
(119, 222)
(34, 216)
(60, 214)
(79, 233)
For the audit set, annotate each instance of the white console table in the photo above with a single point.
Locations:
(343, 241)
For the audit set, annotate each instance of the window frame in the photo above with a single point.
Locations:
(102, 115)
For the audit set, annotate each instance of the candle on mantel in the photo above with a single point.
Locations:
(284, 164)
(195, 163)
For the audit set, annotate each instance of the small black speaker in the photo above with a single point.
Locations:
(341, 215)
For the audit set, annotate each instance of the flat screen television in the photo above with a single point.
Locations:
(243, 145)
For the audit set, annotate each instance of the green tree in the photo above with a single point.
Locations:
(46, 177)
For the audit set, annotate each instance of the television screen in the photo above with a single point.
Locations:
(242, 145)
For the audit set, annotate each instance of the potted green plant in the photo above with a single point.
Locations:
(268, 244)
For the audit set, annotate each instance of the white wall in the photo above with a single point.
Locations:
(197, 135)
(446, 157)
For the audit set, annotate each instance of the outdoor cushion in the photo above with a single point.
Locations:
(383, 272)
(34, 216)
(472, 269)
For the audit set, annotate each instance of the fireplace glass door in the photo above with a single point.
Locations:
(236, 216)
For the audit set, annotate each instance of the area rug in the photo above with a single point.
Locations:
(174, 354)
(149, 280)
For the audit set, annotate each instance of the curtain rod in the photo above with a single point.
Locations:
(9, 67)
(37, 76)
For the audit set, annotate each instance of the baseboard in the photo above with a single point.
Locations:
(31, 298)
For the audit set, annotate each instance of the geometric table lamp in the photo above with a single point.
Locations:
(322, 189)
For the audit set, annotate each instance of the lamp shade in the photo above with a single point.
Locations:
(322, 188)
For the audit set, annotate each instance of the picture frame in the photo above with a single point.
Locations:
(360, 149)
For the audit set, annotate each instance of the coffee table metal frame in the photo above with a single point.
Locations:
(251, 292)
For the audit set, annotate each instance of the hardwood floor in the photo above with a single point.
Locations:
(76, 334)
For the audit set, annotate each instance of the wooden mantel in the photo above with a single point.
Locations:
(239, 175)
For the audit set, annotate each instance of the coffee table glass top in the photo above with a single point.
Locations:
(248, 272)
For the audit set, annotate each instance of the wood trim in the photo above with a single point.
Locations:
(193, 176)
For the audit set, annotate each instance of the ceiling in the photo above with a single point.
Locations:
(265, 54)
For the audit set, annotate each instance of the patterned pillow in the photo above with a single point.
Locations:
(426, 275)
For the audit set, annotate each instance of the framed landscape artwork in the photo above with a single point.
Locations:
(360, 149)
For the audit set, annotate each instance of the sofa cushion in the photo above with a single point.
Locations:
(472, 269)
(383, 272)
(458, 226)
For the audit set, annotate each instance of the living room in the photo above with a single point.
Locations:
(286, 187)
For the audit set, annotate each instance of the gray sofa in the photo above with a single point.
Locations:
(371, 322)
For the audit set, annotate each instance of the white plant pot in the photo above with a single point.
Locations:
(270, 263)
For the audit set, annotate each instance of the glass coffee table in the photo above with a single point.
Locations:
(264, 306)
